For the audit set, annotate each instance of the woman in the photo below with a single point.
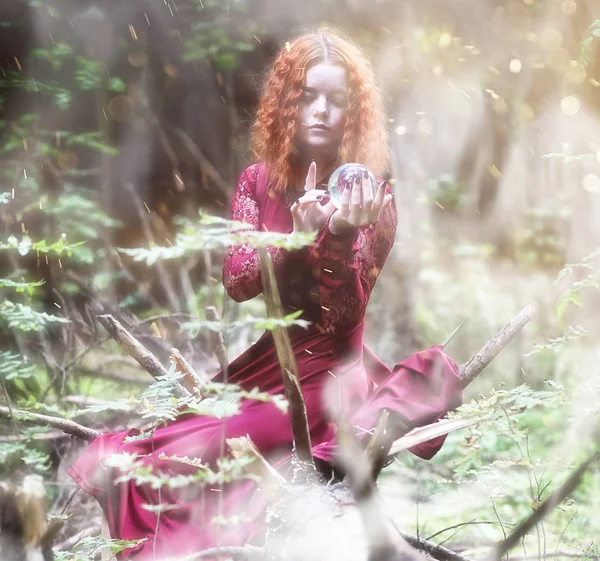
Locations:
(320, 107)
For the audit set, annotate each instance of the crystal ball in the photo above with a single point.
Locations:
(344, 177)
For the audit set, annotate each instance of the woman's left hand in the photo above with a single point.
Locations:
(360, 206)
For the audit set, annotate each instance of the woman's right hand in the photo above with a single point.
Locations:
(308, 213)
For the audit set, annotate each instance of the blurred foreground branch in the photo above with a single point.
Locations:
(287, 360)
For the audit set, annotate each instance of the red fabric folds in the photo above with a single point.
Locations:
(331, 282)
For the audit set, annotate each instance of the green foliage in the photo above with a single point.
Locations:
(590, 267)
(13, 366)
(88, 548)
(216, 39)
(216, 234)
(261, 324)
(24, 318)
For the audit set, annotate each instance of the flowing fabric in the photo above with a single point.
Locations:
(331, 282)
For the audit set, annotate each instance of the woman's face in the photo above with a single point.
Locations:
(323, 107)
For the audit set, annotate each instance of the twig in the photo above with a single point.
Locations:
(37, 437)
(543, 510)
(270, 480)
(70, 427)
(75, 539)
(134, 348)
(161, 271)
(125, 378)
(216, 337)
(203, 161)
(287, 360)
(246, 551)
(379, 445)
(192, 380)
(473, 367)
(451, 336)
(436, 551)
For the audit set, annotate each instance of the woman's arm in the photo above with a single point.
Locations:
(241, 268)
(348, 265)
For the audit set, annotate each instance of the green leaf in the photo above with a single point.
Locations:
(117, 85)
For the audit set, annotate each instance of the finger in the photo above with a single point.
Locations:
(311, 177)
(345, 202)
(376, 211)
(367, 199)
(355, 202)
(377, 203)
(305, 199)
(370, 186)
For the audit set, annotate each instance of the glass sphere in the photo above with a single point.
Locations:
(343, 178)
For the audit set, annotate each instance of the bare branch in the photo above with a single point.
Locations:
(287, 360)
(216, 337)
(192, 380)
(436, 551)
(70, 427)
(161, 271)
(134, 348)
(271, 482)
(118, 376)
(76, 538)
(473, 367)
(203, 161)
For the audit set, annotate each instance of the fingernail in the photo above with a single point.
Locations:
(357, 180)
(366, 174)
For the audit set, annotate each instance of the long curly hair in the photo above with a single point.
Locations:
(364, 138)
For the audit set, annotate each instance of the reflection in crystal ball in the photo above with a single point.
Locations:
(343, 178)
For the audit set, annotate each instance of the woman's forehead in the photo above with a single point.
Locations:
(325, 75)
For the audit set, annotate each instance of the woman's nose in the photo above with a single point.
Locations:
(320, 107)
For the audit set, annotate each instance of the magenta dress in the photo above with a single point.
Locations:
(331, 282)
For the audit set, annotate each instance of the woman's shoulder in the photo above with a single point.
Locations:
(255, 178)
(254, 171)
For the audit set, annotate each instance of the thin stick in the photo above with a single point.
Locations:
(473, 367)
(216, 337)
(436, 551)
(287, 360)
(165, 280)
(134, 348)
(192, 380)
(270, 481)
(546, 508)
(451, 336)
(70, 427)
(203, 161)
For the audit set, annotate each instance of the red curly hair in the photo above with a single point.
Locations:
(364, 139)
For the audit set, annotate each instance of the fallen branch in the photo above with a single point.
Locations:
(134, 348)
(287, 360)
(436, 551)
(70, 427)
(474, 366)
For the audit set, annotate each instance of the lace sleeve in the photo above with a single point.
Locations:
(241, 268)
(348, 266)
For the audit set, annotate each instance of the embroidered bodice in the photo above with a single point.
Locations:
(331, 281)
